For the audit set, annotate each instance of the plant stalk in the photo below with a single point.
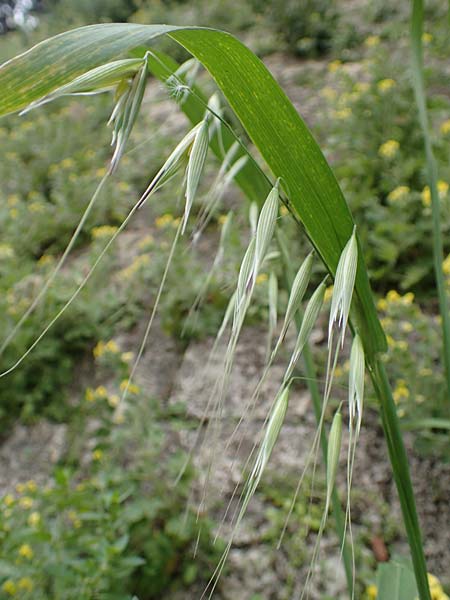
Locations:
(400, 468)
(438, 250)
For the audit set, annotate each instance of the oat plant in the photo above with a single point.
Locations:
(300, 177)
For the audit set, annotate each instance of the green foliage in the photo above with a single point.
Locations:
(377, 151)
(111, 525)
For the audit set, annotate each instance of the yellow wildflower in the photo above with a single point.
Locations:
(398, 193)
(20, 488)
(89, 395)
(408, 299)
(13, 213)
(385, 84)
(425, 372)
(25, 551)
(371, 592)
(284, 210)
(101, 391)
(45, 260)
(34, 519)
(112, 347)
(406, 326)
(12, 200)
(426, 37)
(445, 127)
(393, 296)
(100, 172)
(9, 587)
(127, 357)
(132, 387)
(262, 278)
(446, 265)
(401, 391)
(75, 520)
(334, 65)
(99, 349)
(103, 231)
(26, 584)
(389, 149)
(371, 41)
(97, 454)
(67, 163)
(8, 500)
(123, 186)
(26, 502)
(31, 485)
(113, 400)
(118, 418)
(442, 187)
(164, 220)
(328, 293)
(382, 304)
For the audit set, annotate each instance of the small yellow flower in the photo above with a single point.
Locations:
(406, 326)
(127, 357)
(132, 387)
(31, 485)
(112, 347)
(445, 127)
(389, 149)
(401, 391)
(425, 372)
(329, 93)
(101, 391)
(284, 210)
(97, 454)
(67, 163)
(408, 299)
(446, 265)
(9, 587)
(361, 87)
(13, 200)
(8, 500)
(426, 37)
(45, 260)
(113, 400)
(334, 66)
(393, 296)
(25, 584)
(13, 213)
(26, 502)
(442, 187)
(262, 278)
(89, 395)
(328, 293)
(399, 193)
(382, 304)
(20, 488)
(371, 592)
(75, 520)
(372, 41)
(103, 231)
(25, 551)
(6, 251)
(99, 349)
(118, 419)
(385, 84)
(164, 220)
(34, 519)
(100, 172)
(146, 241)
(222, 219)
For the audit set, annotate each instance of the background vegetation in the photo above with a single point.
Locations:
(109, 522)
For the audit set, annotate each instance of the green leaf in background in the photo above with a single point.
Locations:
(395, 581)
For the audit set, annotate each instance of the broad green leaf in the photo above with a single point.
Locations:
(265, 111)
(395, 582)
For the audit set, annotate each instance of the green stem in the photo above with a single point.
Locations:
(400, 468)
(311, 380)
(438, 250)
